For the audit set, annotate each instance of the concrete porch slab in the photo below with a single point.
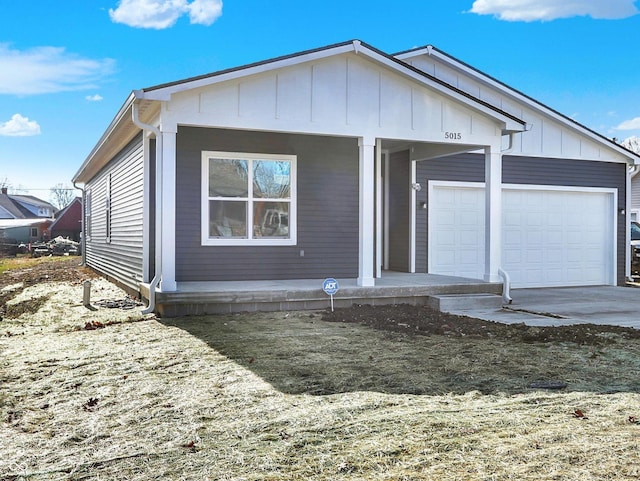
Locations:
(199, 298)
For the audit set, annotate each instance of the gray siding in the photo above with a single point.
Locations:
(327, 203)
(120, 255)
(399, 199)
(539, 171)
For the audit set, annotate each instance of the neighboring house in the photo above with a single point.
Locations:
(25, 230)
(68, 222)
(24, 218)
(347, 162)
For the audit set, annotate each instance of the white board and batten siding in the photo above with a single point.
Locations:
(343, 95)
(547, 137)
(119, 184)
(551, 236)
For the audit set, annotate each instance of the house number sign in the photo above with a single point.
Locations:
(453, 135)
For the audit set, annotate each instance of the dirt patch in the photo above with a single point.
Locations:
(425, 321)
(26, 272)
(28, 306)
(29, 271)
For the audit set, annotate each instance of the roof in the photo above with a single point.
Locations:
(163, 91)
(14, 208)
(122, 130)
(147, 100)
(29, 199)
(453, 61)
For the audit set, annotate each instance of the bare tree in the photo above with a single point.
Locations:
(61, 195)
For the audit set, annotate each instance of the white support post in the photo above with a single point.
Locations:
(412, 216)
(366, 254)
(379, 259)
(168, 279)
(493, 213)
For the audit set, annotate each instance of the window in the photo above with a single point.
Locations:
(248, 199)
(33, 232)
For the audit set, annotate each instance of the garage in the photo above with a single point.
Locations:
(551, 236)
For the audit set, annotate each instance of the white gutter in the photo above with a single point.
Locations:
(83, 240)
(158, 202)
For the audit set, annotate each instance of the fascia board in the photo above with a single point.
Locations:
(124, 110)
(518, 96)
(165, 93)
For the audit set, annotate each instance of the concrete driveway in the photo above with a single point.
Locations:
(618, 306)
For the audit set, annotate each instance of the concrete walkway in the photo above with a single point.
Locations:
(618, 306)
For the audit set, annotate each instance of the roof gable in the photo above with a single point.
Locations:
(550, 133)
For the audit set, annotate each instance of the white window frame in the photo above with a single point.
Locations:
(250, 241)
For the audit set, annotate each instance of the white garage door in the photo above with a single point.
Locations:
(550, 237)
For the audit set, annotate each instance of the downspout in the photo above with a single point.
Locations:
(83, 243)
(506, 286)
(158, 200)
(506, 279)
(632, 171)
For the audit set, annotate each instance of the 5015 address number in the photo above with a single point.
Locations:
(453, 135)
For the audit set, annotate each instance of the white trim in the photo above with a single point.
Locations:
(493, 214)
(250, 240)
(412, 216)
(168, 209)
(164, 93)
(379, 233)
(366, 224)
(386, 210)
(146, 207)
(613, 245)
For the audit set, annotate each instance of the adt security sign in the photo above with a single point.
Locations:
(330, 286)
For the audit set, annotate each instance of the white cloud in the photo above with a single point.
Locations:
(633, 124)
(160, 14)
(94, 98)
(532, 10)
(43, 70)
(19, 126)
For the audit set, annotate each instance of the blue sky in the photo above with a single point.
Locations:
(67, 66)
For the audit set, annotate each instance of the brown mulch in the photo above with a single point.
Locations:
(425, 321)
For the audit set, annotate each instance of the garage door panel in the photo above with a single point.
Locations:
(549, 237)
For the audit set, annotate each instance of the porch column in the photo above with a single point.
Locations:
(366, 203)
(493, 213)
(168, 275)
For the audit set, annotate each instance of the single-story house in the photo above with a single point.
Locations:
(25, 230)
(346, 162)
(68, 222)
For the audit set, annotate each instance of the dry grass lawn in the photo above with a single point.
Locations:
(289, 396)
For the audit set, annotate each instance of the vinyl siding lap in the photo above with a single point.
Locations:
(327, 203)
(533, 171)
(121, 257)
